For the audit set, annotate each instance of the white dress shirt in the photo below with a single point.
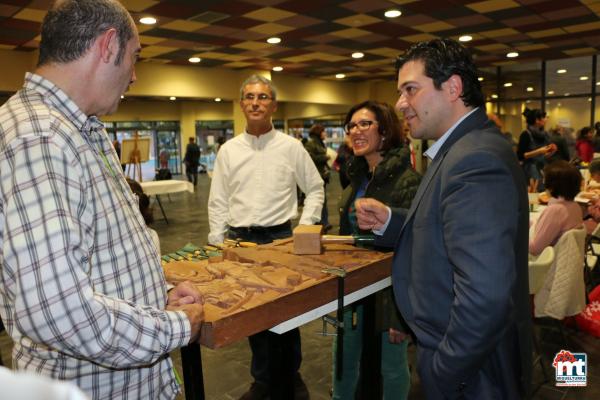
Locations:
(254, 184)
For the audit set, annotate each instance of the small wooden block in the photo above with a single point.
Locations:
(307, 239)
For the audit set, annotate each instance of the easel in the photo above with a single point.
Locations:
(135, 161)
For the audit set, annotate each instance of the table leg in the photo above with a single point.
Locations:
(162, 209)
(370, 366)
(191, 362)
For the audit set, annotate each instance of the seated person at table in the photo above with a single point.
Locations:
(145, 209)
(594, 183)
(562, 180)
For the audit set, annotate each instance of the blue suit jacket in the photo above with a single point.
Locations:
(460, 268)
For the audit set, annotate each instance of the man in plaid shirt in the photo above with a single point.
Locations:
(82, 292)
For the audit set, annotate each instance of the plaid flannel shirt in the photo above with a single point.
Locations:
(82, 292)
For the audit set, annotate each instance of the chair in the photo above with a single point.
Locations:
(592, 257)
(563, 291)
(538, 268)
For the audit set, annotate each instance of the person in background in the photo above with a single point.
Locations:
(596, 139)
(145, 209)
(584, 145)
(83, 294)
(562, 181)
(191, 159)
(531, 139)
(318, 153)
(562, 150)
(380, 169)
(465, 232)
(163, 157)
(253, 198)
(341, 161)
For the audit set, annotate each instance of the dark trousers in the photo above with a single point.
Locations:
(275, 358)
(192, 173)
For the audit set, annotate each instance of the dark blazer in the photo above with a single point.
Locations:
(460, 268)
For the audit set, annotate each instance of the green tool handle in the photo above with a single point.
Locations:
(354, 239)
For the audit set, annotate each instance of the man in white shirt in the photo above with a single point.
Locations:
(253, 198)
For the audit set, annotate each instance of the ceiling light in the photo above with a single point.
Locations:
(340, 76)
(583, 78)
(598, 83)
(512, 54)
(527, 101)
(567, 94)
(274, 40)
(508, 84)
(358, 54)
(277, 68)
(480, 79)
(494, 96)
(465, 38)
(392, 13)
(172, 98)
(148, 20)
(589, 99)
(122, 96)
(561, 71)
(550, 92)
(194, 60)
(529, 89)
(217, 99)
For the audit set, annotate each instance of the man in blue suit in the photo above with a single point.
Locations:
(460, 266)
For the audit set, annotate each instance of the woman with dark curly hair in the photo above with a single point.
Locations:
(380, 169)
(563, 182)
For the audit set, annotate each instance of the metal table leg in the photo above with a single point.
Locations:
(191, 362)
(162, 209)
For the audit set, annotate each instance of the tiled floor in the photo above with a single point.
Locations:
(226, 371)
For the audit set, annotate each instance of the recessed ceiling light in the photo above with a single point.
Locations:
(217, 99)
(567, 94)
(122, 96)
(598, 83)
(529, 89)
(512, 54)
(561, 71)
(392, 13)
(465, 38)
(358, 54)
(527, 101)
(277, 68)
(274, 40)
(494, 96)
(194, 59)
(172, 98)
(340, 76)
(589, 99)
(148, 20)
(508, 84)
(550, 92)
(583, 78)
(480, 79)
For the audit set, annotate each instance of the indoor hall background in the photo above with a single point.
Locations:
(226, 370)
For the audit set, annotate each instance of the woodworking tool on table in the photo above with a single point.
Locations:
(308, 239)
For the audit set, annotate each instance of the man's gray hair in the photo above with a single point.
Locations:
(258, 79)
(71, 27)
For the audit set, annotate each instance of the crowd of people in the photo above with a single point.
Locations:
(82, 292)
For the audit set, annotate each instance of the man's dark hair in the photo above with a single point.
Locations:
(562, 179)
(533, 115)
(443, 58)
(388, 124)
(71, 26)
